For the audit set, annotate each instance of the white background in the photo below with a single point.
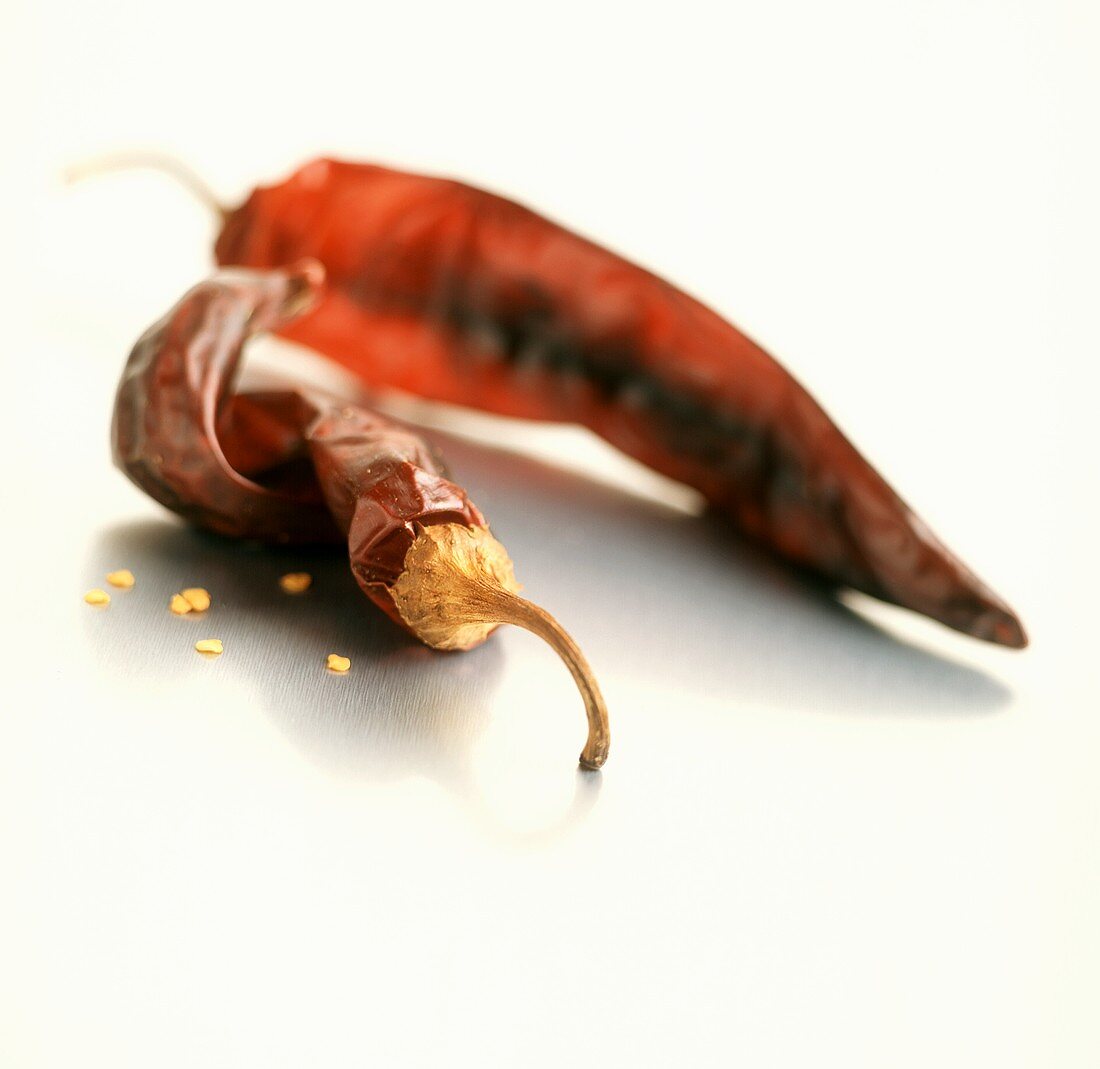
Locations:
(817, 841)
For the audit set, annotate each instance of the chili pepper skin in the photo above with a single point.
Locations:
(459, 295)
(175, 391)
(294, 465)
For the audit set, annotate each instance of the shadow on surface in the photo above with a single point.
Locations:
(650, 594)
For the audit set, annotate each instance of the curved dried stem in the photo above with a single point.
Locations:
(458, 585)
(525, 614)
(156, 161)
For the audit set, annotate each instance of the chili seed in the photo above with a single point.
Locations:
(197, 598)
(209, 645)
(97, 597)
(123, 578)
(179, 605)
(336, 663)
(296, 582)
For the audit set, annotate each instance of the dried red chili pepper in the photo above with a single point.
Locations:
(297, 466)
(459, 295)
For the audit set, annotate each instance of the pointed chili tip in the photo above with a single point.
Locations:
(998, 624)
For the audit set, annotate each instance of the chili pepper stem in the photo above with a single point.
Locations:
(523, 613)
(458, 585)
(155, 161)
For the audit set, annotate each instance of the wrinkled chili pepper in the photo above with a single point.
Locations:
(459, 295)
(298, 466)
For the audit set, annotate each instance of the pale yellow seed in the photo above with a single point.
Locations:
(336, 663)
(97, 597)
(209, 645)
(179, 605)
(296, 582)
(123, 578)
(197, 598)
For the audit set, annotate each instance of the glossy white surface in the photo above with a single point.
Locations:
(827, 834)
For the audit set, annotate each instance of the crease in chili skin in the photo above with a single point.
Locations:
(456, 294)
(284, 466)
(291, 466)
(232, 464)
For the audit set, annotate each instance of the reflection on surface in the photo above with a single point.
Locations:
(368, 723)
(650, 593)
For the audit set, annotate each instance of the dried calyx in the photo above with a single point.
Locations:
(458, 585)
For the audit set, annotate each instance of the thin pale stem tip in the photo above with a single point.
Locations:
(156, 161)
